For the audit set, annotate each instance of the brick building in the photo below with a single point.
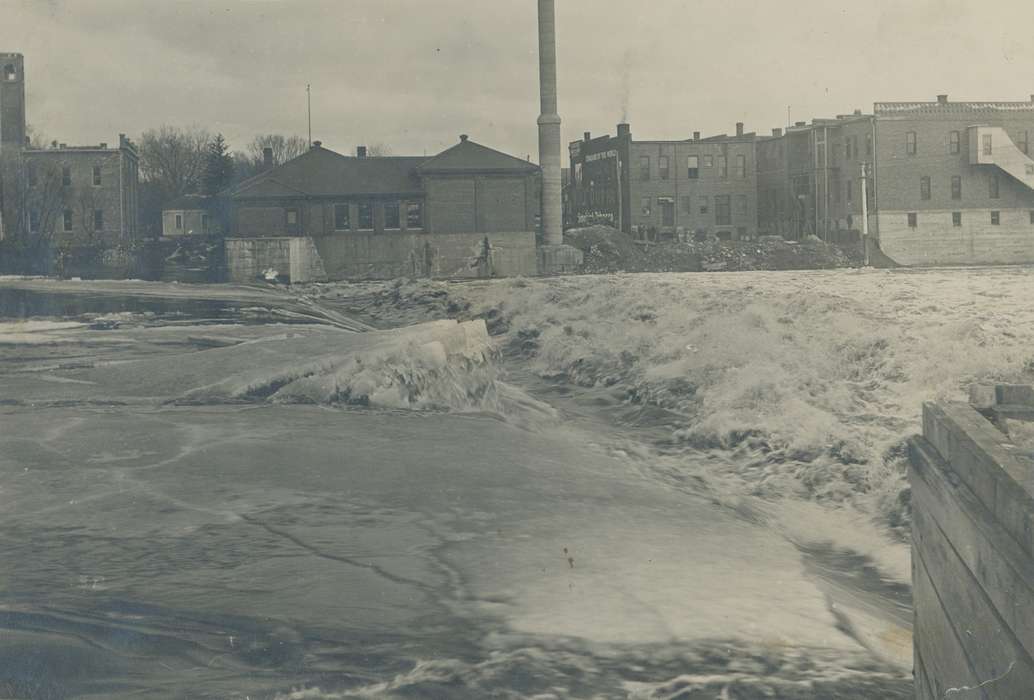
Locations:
(946, 182)
(666, 188)
(390, 216)
(75, 195)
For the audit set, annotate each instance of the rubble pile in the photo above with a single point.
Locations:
(608, 250)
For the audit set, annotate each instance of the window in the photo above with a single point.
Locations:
(391, 215)
(956, 187)
(956, 219)
(33, 177)
(868, 144)
(179, 222)
(847, 148)
(913, 220)
(849, 191)
(663, 166)
(703, 205)
(854, 146)
(9, 72)
(98, 219)
(850, 221)
(953, 142)
(993, 186)
(986, 139)
(644, 167)
(96, 176)
(687, 205)
(1023, 144)
(1032, 217)
(292, 216)
(67, 219)
(741, 205)
(723, 167)
(66, 176)
(708, 161)
(414, 215)
(910, 143)
(667, 207)
(644, 205)
(741, 167)
(34, 220)
(924, 187)
(342, 217)
(722, 213)
(365, 216)
(693, 167)
(996, 218)
(204, 223)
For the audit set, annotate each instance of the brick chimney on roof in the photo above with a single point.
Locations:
(696, 135)
(316, 144)
(777, 132)
(360, 151)
(942, 99)
(267, 157)
(463, 137)
(739, 128)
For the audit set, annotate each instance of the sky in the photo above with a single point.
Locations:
(414, 74)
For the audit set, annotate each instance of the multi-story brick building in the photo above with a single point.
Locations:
(666, 188)
(61, 194)
(954, 182)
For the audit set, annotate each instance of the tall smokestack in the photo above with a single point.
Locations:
(549, 128)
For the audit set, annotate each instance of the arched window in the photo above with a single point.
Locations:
(9, 72)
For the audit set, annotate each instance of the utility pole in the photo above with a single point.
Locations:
(865, 215)
(308, 102)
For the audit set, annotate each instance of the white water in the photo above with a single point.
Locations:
(674, 486)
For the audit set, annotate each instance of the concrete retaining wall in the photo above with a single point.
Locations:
(383, 256)
(973, 552)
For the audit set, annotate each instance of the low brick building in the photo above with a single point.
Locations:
(666, 188)
(468, 211)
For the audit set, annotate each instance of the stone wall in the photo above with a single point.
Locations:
(936, 241)
(382, 256)
(446, 255)
(973, 550)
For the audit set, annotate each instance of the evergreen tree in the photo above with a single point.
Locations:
(218, 166)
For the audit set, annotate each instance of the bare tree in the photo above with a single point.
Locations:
(33, 200)
(173, 158)
(284, 148)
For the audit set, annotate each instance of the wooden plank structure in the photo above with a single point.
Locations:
(973, 548)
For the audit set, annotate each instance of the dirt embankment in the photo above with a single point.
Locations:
(609, 250)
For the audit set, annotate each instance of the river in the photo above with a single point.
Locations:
(650, 486)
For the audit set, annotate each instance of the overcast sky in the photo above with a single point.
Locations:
(413, 74)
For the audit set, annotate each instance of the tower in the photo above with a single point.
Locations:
(12, 101)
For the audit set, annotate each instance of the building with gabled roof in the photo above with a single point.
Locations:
(388, 216)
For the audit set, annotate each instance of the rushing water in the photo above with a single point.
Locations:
(653, 486)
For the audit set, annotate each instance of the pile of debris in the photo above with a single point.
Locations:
(606, 249)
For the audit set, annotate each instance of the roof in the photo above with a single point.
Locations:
(467, 156)
(323, 172)
(189, 202)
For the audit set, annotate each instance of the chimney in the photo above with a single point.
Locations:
(587, 135)
(463, 137)
(696, 135)
(360, 151)
(267, 157)
(104, 145)
(316, 144)
(858, 112)
(62, 145)
(777, 132)
(739, 128)
(549, 128)
(800, 123)
(942, 99)
(624, 129)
